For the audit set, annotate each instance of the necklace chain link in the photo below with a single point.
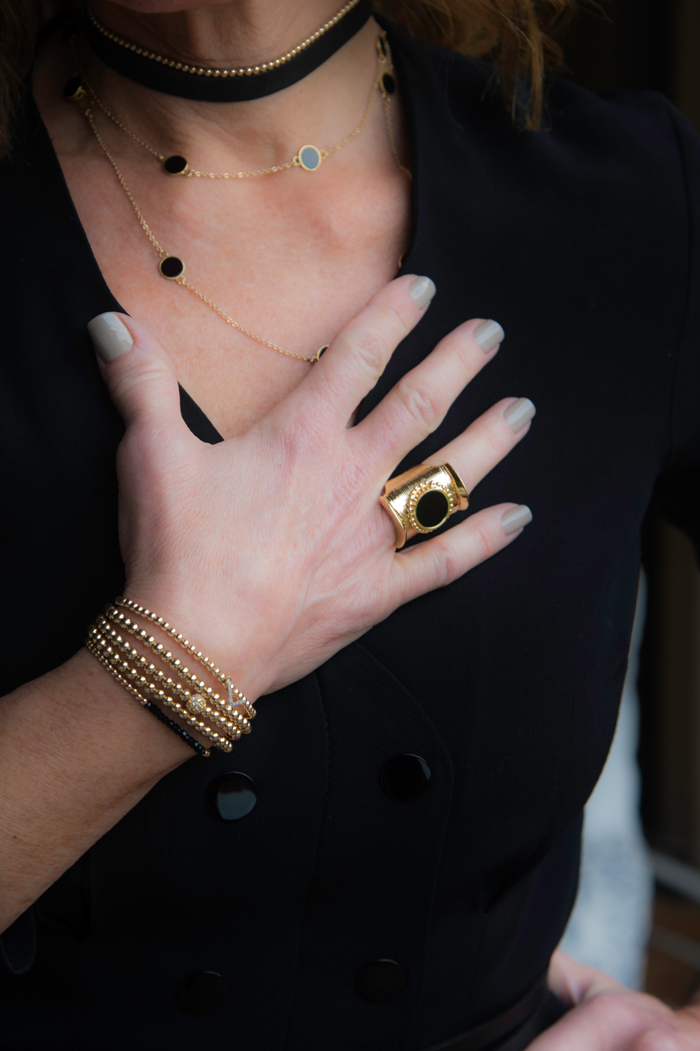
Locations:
(207, 71)
(384, 66)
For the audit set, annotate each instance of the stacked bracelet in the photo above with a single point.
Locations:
(103, 657)
(214, 717)
(235, 695)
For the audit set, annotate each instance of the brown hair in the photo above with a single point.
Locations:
(516, 34)
(519, 36)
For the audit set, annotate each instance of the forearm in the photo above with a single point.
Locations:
(76, 754)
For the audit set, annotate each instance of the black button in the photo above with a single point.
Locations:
(405, 778)
(231, 796)
(203, 993)
(381, 981)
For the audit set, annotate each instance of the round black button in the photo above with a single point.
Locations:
(405, 778)
(231, 796)
(381, 981)
(203, 993)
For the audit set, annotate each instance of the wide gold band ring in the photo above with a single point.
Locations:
(422, 499)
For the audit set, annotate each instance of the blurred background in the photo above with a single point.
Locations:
(638, 913)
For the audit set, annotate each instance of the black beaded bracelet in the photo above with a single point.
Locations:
(148, 705)
(177, 729)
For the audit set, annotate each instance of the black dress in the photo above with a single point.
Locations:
(457, 869)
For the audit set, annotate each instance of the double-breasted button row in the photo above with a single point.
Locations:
(232, 796)
(206, 992)
(404, 779)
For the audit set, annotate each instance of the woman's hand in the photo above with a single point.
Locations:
(607, 1016)
(271, 549)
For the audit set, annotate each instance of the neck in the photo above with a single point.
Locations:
(321, 107)
(238, 33)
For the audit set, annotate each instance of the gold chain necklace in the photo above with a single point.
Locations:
(308, 157)
(172, 267)
(203, 71)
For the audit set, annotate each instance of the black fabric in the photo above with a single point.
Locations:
(583, 242)
(543, 1009)
(502, 1028)
(18, 945)
(155, 75)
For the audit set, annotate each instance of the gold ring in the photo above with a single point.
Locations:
(422, 499)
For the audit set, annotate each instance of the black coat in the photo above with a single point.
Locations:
(582, 240)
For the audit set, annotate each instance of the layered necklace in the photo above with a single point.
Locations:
(307, 159)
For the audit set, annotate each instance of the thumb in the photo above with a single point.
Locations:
(139, 374)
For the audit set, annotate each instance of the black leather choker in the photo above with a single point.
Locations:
(224, 85)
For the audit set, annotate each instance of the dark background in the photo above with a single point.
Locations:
(655, 44)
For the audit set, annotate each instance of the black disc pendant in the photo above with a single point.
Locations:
(321, 351)
(388, 83)
(171, 267)
(175, 165)
(73, 89)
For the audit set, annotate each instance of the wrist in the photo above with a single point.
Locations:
(224, 632)
(161, 666)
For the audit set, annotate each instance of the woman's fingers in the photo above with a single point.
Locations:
(487, 440)
(574, 982)
(139, 374)
(421, 399)
(359, 354)
(444, 558)
(607, 1016)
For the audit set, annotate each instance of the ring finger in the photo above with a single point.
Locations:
(487, 440)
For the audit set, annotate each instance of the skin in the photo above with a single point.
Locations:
(326, 247)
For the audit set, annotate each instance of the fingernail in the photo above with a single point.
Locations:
(422, 290)
(518, 414)
(110, 336)
(514, 520)
(488, 335)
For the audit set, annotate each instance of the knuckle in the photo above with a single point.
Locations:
(423, 403)
(303, 439)
(446, 567)
(484, 541)
(370, 348)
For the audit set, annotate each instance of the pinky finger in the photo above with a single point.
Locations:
(438, 562)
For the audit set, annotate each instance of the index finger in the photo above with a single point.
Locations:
(358, 355)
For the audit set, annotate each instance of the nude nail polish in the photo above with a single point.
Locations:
(515, 519)
(488, 335)
(519, 413)
(421, 291)
(110, 336)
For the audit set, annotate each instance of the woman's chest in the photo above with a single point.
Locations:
(290, 260)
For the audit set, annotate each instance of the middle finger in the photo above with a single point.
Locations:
(419, 402)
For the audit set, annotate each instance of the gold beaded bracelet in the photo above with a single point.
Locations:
(185, 644)
(199, 706)
(104, 656)
(204, 701)
(137, 675)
